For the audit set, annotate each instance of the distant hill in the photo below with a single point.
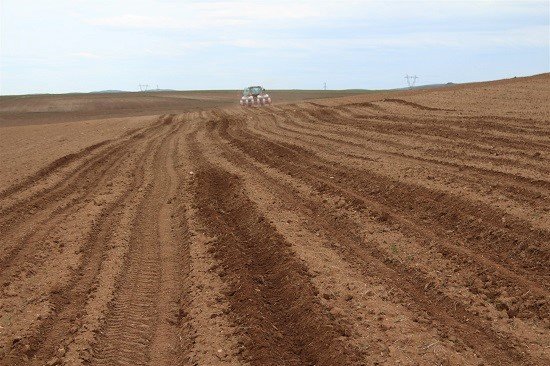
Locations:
(112, 91)
(108, 91)
(428, 86)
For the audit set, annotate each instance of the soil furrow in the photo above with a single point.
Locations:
(406, 227)
(521, 189)
(142, 326)
(49, 202)
(434, 204)
(50, 169)
(461, 127)
(42, 189)
(271, 295)
(477, 223)
(68, 301)
(531, 302)
(449, 146)
(523, 201)
(214, 338)
(292, 215)
(22, 247)
(451, 315)
(307, 128)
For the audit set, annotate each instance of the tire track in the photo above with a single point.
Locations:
(416, 105)
(272, 297)
(143, 324)
(429, 206)
(214, 339)
(306, 127)
(293, 217)
(533, 305)
(33, 240)
(68, 302)
(50, 169)
(358, 232)
(524, 193)
(46, 204)
(172, 339)
(453, 317)
(430, 132)
(45, 193)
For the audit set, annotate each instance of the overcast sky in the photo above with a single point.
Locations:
(84, 45)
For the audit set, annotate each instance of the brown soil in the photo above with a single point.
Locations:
(20, 110)
(407, 228)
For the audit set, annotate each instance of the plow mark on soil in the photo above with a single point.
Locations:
(449, 313)
(352, 232)
(271, 297)
(143, 325)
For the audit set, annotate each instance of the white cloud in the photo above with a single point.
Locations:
(201, 38)
(86, 55)
(285, 13)
(522, 37)
(217, 14)
(307, 24)
(135, 21)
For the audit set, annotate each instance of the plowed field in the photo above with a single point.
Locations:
(398, 228)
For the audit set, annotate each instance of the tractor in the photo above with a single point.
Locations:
(255, 96)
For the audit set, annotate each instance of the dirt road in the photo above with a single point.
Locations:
(411, 229)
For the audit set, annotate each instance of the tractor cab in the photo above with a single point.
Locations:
(255, 96)
(253, 91)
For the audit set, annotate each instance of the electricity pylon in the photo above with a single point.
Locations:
(411, 80)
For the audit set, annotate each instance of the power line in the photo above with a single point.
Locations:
(143, 87)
